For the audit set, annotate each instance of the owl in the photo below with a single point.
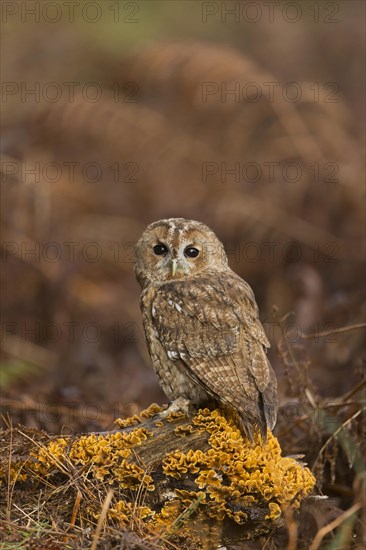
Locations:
(201, 324)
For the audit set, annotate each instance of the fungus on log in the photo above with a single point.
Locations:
(173, 475)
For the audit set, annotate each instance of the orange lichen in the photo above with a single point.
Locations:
(123, 511)
(151, 411)
(237, 471)
(13, 474)
(49, 457)
(234, 478)
(184, 429)
(105, 457)
(175, 415)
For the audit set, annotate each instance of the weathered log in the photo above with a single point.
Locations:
(173, 477)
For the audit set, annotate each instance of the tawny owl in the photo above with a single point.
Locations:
(201, 324)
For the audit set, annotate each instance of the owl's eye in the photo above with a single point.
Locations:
(160, 249)
(191, 252)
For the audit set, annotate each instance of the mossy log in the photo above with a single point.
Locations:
(194, 478)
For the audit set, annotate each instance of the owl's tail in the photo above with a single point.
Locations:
(249, 422)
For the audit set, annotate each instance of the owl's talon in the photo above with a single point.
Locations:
(178, 405)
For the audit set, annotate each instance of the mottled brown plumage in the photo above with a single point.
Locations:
(201, 324)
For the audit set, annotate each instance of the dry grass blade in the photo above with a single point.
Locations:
(292, 529)
(184, 515)
(76, 508)
(334, 331)
(335, 433)
(101, 519)
(333, 525)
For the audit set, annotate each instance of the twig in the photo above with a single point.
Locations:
(101, 519)
(355, 390)
(334, 434)
(9, 491)
(76, 508)
(291, 528)
(332, 525)
(333, 331)
(185, 515)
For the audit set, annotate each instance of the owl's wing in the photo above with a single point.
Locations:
(211, 324)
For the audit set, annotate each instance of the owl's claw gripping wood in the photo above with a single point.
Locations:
(178, 405)
(202, 325)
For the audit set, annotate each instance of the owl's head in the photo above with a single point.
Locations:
(174, 248)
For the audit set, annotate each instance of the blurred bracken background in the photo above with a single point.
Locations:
(244, 115)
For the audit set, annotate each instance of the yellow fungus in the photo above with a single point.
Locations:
(233, 478)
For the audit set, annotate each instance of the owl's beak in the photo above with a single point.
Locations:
(174, 267)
